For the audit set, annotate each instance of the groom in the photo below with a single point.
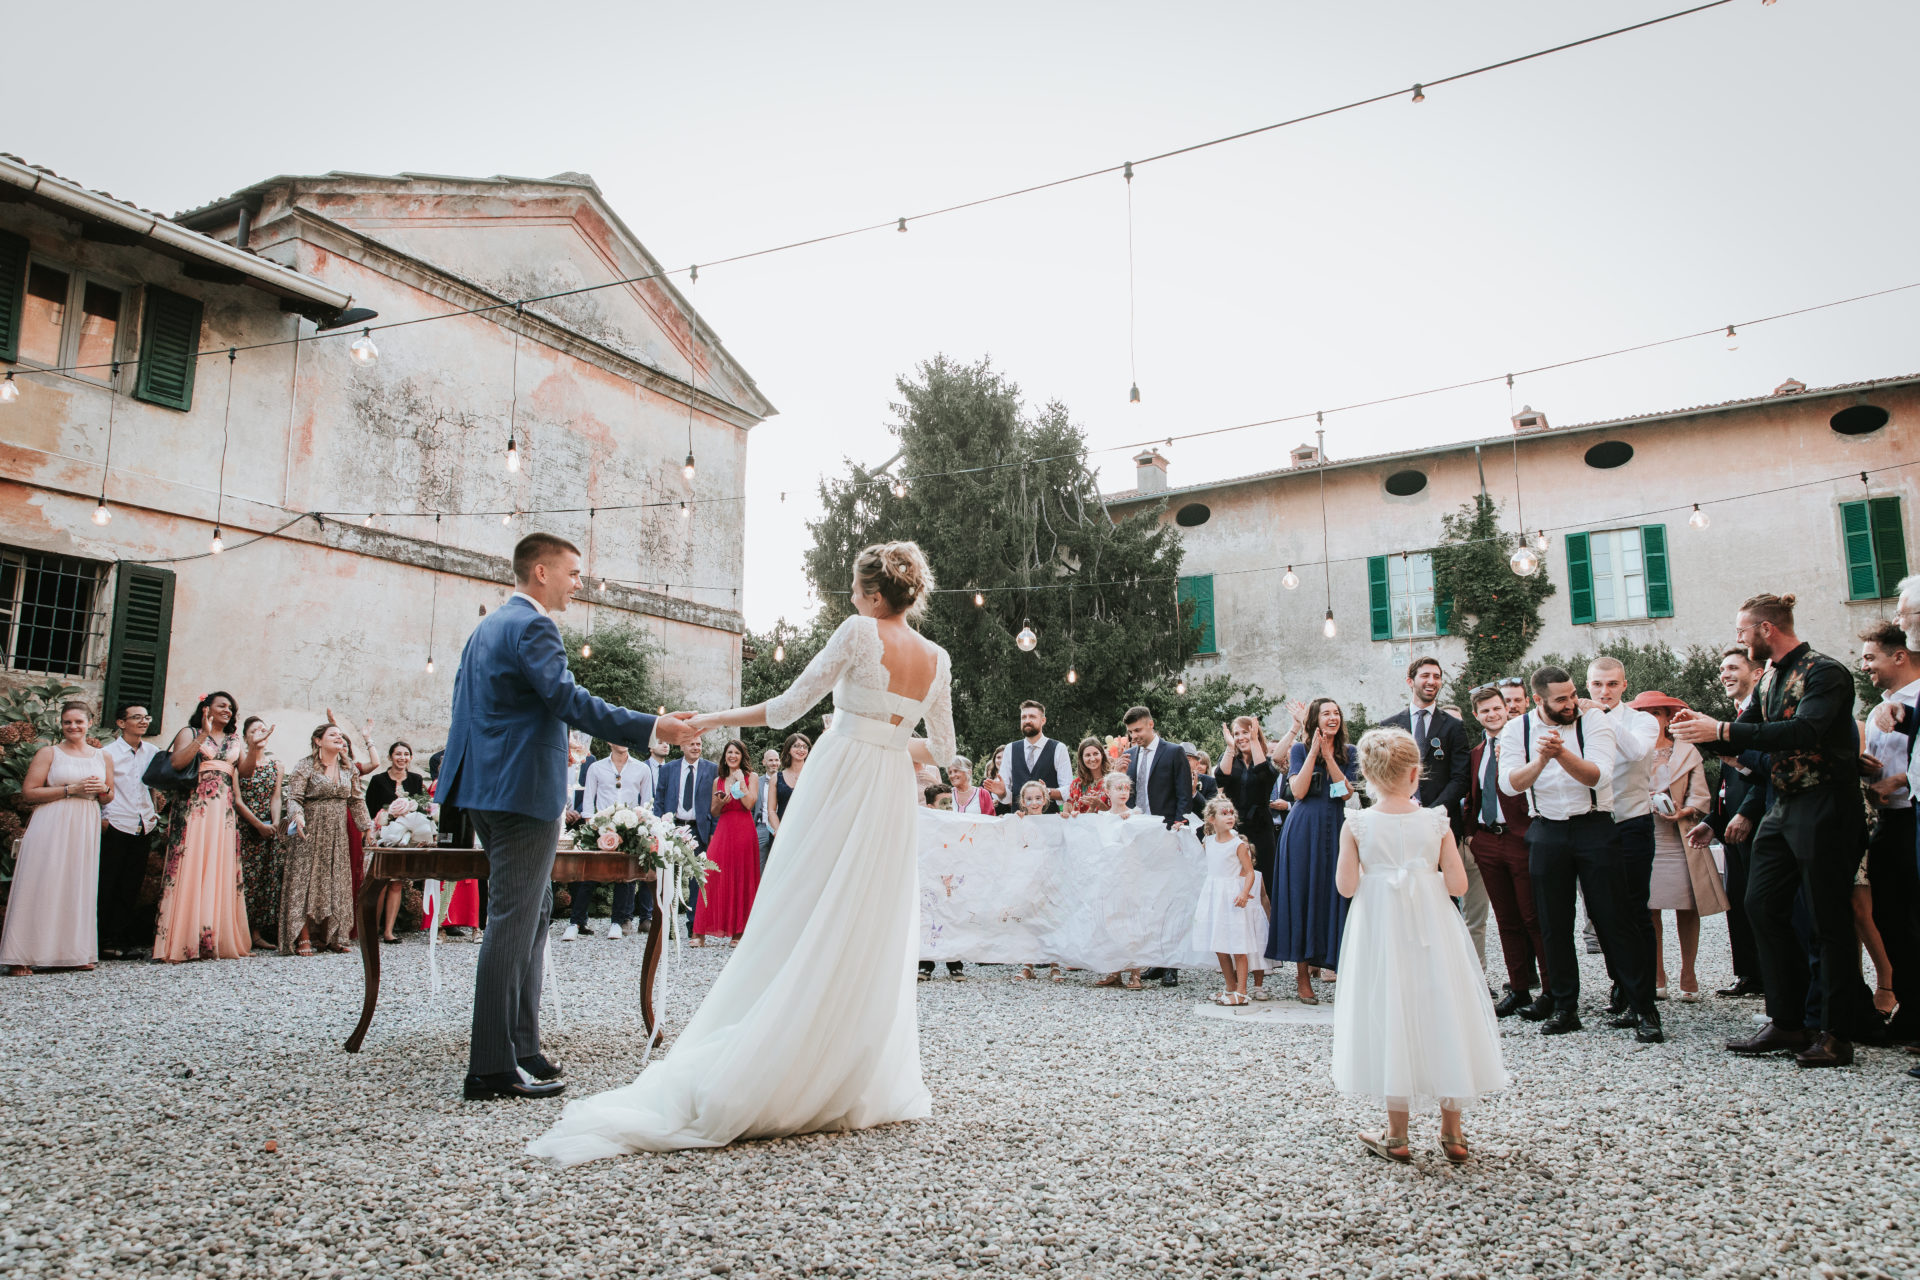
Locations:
(506, 766)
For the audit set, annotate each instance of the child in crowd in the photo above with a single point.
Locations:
(1413, 1025)
(939, 796)
(1228, 919)
(1119, 795)
(1033, 800)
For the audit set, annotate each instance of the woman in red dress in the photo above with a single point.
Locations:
(1087, 793)
(726, 899)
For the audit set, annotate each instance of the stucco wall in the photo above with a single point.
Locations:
(1790, 541)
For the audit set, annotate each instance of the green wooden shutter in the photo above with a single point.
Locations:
(1442, 615)
(1379, 598)
(13, 293)
(1653, 555)
(1889, 544)
(1198, 591)
(142, 630)
(1857, 532)
(169, 344)
(1579, 577)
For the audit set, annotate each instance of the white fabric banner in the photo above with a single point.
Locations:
(1091, 891)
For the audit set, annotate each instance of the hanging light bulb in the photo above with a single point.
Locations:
(1699, 519)
(1073, 677)
(1180, 686)
(1026, 639)
(779, 652)
(1419, 94)
(1733, 339)
(506, 518)
(1133, 396)
(9, 390)
(899, 488)
(368, 522)
(513, 455)
(979, 601)
(586, 649)
(216, 546)
(363, 351)
(429, 664)
(683, 510)
(686, 468)
(1525, 560)
(902, 225)
(1540, 540)
(1327, 628)
(1289, 579)
(100, 513)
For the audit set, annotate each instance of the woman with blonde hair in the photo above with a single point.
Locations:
(50, 916)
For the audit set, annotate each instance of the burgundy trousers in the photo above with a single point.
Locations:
(1503, 869)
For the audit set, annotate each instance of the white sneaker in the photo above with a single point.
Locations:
(613, 933)
(572, 933)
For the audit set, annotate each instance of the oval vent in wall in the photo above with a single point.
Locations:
(1609, 454)
(1404, 484)
(1192, 514)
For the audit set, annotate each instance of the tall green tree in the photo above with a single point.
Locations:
(778, 656)
(1014, 514)
(623, 668)
(1494, 609)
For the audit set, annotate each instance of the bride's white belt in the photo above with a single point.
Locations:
(879, 733)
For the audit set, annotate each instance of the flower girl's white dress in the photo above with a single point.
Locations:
(1412, 1027)
(811, 1026)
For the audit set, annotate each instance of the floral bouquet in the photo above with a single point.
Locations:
(408, 822)
(657, 841)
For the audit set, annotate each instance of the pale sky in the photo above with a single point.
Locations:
(1728, 165)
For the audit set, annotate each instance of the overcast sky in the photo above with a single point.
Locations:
(1732, 164)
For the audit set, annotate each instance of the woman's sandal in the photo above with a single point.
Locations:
(1387, 1148)
(19, 971)
(1025, 974)
(1449, 1145)
(1056, 975)
(1111, 980)
(303, 948)
(1235, 998)
(1132, 983)
(1308, 998)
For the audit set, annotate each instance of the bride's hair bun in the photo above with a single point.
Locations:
(897, 572)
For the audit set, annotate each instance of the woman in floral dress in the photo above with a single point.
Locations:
(258, 803)
(323, 794)
(203, 912)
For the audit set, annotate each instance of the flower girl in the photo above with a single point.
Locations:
(1413, 1026)
(1119, 788)
(1228, 919)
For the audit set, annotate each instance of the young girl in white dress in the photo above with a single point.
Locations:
(1413, 1026)
(1119, 788)
(1033, 804)
(1228, 919)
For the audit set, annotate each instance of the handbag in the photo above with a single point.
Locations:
(162, 776)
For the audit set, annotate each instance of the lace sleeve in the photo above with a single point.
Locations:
(817, 680)
(940, 743)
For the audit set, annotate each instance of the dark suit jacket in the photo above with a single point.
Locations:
(1169, 786)
(1513, 809)
(1445, 771)
(666, 800)
(1742, 789)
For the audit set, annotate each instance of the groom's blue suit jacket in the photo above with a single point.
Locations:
(513, 700)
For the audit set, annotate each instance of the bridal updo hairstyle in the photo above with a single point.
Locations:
(1385, 757)
(897, 572)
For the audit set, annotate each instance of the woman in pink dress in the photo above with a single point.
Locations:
(726, 899)
(203, 907)
(50, 915)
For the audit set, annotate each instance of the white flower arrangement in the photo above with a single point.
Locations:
(412, 827)
(657, 841)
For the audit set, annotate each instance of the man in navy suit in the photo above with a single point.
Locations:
(506, 766)
(686, 795)
(1162, 786)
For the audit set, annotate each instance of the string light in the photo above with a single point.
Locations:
(902, 226)
(363, 351)
(1733, 339)
(1327, 628)
(1290, 579)
(899, 488)
(1026, 639)
(9, 390)
(1073, 677)
(683, 510)
(216, 546)
(979, 601)
(586, 649)
(1699, 519)
(1524, 560)
(1180, 686)
(368, 522)
(513, 455)
(429, 664)
(506, 517)
(1541, 541)
(100, 513)
(687, 469)
(779, 651)
(1419, 94)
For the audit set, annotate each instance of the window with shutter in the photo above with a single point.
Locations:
(1653, 551)
(13, 284)
(1876, 547)
(169, 347)
(1379, 598)
(142, 632)
(1198, 591)
(1580, 577)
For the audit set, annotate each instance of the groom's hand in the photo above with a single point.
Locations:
(676, 729)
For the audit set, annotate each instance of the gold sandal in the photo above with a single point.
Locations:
(1447, 1146)
(1111, 980)
(1387, 1148)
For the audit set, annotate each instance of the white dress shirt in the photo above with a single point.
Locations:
(131, 811)
(687, 801)
(1556, 794)
(1414, 712)
(1634, 735)
(1062, 765)
(630, 785)
(1890, 749)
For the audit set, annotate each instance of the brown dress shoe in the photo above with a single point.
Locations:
(1771, 1039)
(1828, 1050)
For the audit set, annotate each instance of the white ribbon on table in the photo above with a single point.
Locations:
(437, 905)
(666, 898)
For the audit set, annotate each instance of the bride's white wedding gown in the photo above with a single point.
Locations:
(811, 1025)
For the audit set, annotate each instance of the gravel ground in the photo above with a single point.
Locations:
(1079, 1131)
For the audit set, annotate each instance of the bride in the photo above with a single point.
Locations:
(811, 1025)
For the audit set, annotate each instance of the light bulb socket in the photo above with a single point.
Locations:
(901, 225)
(1133, 395)
(1419, 93)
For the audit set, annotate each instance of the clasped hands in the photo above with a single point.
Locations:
(678, 728)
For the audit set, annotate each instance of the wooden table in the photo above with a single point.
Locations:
(430, 862)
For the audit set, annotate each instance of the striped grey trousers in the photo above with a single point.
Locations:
(506, 985)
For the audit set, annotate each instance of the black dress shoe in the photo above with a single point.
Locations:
(1741, 988)
(1650, 1031)
(1512, 1003)
(1170, 978)
(1828, 1050)
(1540, 1010)
(1624, 1021)
(1560, 1023)
(1617, 1003)
(1151, 974)
(1772, 1039)
(540, 1068)
(508, 1084)
(1914, 1072)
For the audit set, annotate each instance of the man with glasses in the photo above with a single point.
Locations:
(126, 829)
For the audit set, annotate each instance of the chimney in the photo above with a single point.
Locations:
(1151, 476)
(1529, 419)
(1305, 455)
(1791, 387)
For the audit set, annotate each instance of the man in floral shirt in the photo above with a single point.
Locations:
(1811, 839)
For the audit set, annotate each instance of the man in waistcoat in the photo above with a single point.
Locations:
(1035, 758)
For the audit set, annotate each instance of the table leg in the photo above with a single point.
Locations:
(366, 911)
(649, 966)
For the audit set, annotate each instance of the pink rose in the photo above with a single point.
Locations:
(609, 840)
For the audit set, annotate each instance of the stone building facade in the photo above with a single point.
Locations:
(366, 510)
(1779, 480)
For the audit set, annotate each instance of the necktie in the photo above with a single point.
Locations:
(1490, 790)
(1420, 731)
(686, 791)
